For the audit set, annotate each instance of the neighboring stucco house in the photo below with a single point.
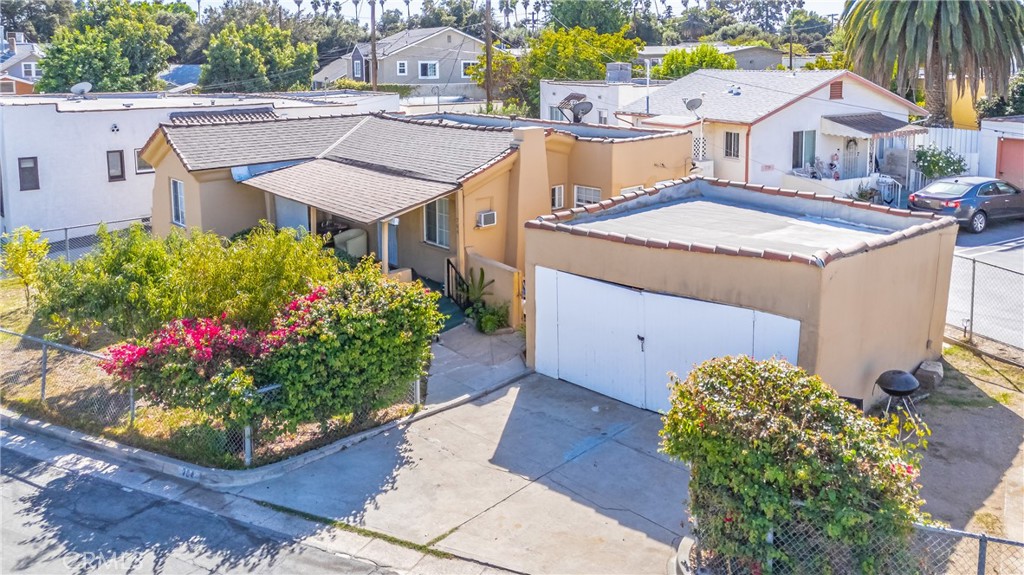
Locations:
(434, 60)
(661, 279)
(73, 161)
(1001, 148)
(819, 130)
(608, 96)
(19, 64)
(747, 57)
(424, 192)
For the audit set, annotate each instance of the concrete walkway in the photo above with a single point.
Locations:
(540, 477)
(466, 362)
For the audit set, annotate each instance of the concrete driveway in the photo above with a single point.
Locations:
(541, 477)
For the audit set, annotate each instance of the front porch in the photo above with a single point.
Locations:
(870, 159)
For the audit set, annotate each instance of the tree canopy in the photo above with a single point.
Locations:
(114, 44)
(678, 63)
(255, 58)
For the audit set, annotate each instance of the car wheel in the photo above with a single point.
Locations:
(978, 222)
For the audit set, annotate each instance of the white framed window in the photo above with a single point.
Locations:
(554, 113)
(402, 68)
(7, 87)
(602, 116)
(178, 203)
(435, 224)
(586, 195)
(142, 166)
(631, 189)
(357, 68)
(465, 67)
(557, 197)
(428, 70)
(732, 144)
(803, 148)
(30, 70)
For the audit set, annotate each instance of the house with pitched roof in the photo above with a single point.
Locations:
(829, 131)
(435, 61)
(19, 64)
(434, 197)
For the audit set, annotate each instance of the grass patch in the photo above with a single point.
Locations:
(442, 536)
(360, 530)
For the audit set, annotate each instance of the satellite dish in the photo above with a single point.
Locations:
(81, 88)
(580, 109)
(693, 103)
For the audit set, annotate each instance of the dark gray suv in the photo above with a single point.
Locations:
(972, 200)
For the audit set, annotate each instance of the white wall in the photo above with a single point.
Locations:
(988, 147)
(71, 149)
(607, 98)
(771, 143)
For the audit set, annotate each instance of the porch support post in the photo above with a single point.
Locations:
(312, 220)
(384, 245)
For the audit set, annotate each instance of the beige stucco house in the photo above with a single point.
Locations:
(658, 280)
(425, 192)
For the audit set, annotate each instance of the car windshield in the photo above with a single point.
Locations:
(946, 189)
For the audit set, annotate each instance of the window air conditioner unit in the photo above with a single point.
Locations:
(486, 219)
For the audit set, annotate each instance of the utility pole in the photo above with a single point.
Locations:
(487, 48)
(790, 46)
(373, 45)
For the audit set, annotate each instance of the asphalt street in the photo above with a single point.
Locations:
(998, 278)
(55, 521)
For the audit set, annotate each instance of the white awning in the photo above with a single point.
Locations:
(868, 126)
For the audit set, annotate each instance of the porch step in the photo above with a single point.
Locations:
(455, 315)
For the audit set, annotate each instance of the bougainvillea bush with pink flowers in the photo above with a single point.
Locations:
(772, 448)
(347, 347)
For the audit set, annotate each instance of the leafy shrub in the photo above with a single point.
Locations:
(770, 445)
(351, 346)
(492, 318)
(134, 282)
(23, 251)
(403, 90)
(1009, 104)
(937, 163)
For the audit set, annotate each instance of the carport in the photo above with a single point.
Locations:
(622, 292)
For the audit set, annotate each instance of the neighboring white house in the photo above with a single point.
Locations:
(827, 131)
(435, 61)
(71, 161)
(1001, 149)
(614, 93)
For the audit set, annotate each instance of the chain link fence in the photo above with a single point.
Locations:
(926, 550)
(64, 385)
(986, 300)
(73, 242)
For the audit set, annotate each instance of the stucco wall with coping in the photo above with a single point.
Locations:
(489, 191)
(504, 289)
(877, 309)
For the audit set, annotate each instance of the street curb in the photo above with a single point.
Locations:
(223, 478)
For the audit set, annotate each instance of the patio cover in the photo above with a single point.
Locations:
(354, 193)
(871, 126)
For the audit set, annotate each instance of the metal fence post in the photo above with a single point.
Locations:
(419, 396)
(974, 272)
(247, 445)
(42, 384)
(67, 246)
(982, 549)
(131, 406)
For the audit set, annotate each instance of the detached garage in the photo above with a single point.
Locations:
(622, 292)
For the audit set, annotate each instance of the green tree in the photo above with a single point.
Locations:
(38, 19)
(973, 41)
(256, 58)
(837, 62)
(607, 17)
(767, 14)
(798, 49)
(115, 30)
(23, 251)
(1011, 104)
(742, 34)
(678, 63)
(575, 54)
(695, 22)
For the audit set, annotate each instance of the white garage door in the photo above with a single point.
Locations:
(622, 342)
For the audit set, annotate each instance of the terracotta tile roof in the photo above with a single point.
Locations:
(573, 221)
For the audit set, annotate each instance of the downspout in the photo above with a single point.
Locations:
(746, 160)
(460, 242)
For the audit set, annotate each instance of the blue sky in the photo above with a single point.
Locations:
(820, 6)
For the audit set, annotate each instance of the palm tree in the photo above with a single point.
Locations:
(315, 5)
(336, 5)
(298, 8)
(974, 41)
(408, 16)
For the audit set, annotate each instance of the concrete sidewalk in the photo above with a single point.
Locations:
(467, 361)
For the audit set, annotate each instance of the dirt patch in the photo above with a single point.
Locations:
(973, 469)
